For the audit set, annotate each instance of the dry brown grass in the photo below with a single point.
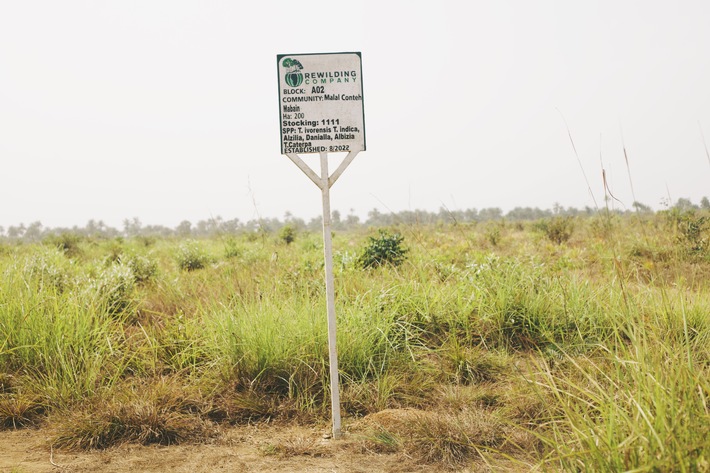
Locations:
(18, 407)
(20, 410)
(162, 412)
(453, 439)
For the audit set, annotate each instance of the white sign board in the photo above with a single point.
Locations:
(321, 103)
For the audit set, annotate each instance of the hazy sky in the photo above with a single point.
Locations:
(168, 110)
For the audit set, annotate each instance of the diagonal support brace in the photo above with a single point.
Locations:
(318, 180)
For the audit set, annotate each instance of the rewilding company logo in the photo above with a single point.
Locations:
(293, 77)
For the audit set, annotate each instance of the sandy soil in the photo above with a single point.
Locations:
(239, 449)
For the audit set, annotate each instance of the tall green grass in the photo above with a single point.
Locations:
(63, 335)
(640, 404)
(588, 353)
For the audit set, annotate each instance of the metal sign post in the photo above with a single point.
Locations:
(321, 110)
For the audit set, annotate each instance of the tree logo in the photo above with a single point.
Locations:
(293, 77)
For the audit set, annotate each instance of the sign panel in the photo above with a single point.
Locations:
(321, 103)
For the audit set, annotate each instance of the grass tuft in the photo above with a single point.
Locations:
(159, 413)
(19, 410)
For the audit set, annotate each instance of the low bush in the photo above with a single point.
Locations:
(692, 231)
(67, 242)
(144, 268)
(386, 248)
(191, 256)
(557, 229)
(287, 234)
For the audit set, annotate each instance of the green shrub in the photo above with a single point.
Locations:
(386, 248)
(493, 234)
(557, 229)
(191, 256)
(287, 234)
(144, 269)
(232, 248)
(692, 231)
(67, 242)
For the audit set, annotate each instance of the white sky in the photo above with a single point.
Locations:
(168, 110)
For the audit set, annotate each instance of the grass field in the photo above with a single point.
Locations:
(573, 344)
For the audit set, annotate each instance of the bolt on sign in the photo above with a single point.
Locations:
(321, 103)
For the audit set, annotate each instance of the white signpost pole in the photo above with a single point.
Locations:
(324, 183)
(326, 114)
(330, 299)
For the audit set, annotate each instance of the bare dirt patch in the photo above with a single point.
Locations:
(263, 448)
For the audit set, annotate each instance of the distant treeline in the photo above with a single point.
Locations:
(133, 227)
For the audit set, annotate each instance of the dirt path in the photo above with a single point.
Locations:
(240, 449)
